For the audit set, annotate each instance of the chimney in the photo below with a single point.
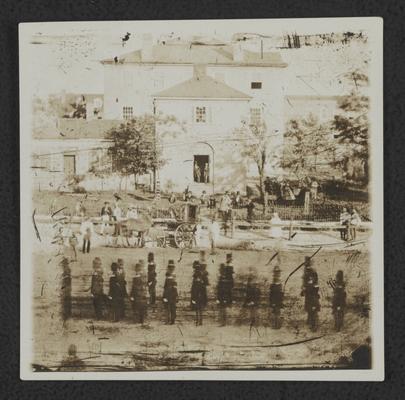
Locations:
(147, 44)
(199, 71)
(237, 52)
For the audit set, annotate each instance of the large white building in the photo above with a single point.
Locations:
(210, 89)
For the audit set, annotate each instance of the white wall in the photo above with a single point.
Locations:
(231, 169)
(135, 84)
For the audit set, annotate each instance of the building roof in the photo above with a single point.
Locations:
(202, 87)
(73, 128)
(181, 53)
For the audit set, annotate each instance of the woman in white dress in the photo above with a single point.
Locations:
(275, 230)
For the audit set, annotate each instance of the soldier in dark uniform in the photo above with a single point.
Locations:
(312, 304)
(198, 294)
(66, 289)
(138, 294)
(97, 288)
(152, 279)
(123, 285)
(204, 276)
(224, 293)
(309, 273)
(252, 298)
(170, 294)
(339, 300)
(229, 274)
(116, 294)
(276, 296)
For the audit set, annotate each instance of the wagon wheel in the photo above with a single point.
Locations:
(184, 236)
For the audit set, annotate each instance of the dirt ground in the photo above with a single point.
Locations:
(104, 345)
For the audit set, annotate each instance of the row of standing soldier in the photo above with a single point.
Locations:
(140, 286)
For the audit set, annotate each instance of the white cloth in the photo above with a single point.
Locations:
(226, 203)
(214, 230)
(275, 230)
(132, 214)
(86, 227)
(117, 213)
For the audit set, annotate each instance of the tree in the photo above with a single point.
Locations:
(257, 145)
(352, 130)
(309, 147)
(135, 146)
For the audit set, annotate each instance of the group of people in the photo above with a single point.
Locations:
(143, 288)
(142, 293)
(350, 220)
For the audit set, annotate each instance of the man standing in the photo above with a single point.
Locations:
(198, 294)
(206, 173)
(339, 300)
(309, 273)
(106, 214)
(224, 293)
(170, 294)
(87, 231)
(345, 222)
(276, 297)
(250, 206)
(117, 294)
(152, 279)
(229, 274)
(66, 289)
(312, 304)
(97, 288)
(225, 208)
(252, 299)
(197, 173)
(138, 295)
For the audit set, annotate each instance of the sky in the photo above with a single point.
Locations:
(66, 56)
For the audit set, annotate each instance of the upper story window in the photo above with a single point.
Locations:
(255, 116)
(127, 112)
(200, 114)
(255, 85)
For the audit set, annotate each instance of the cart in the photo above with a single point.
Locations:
(182, 229)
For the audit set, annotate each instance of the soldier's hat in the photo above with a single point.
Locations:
(170, 265)
(120, 260)
(150, 257)
(229, 257)
(138, 267)
(202, 255)
(196, 265)
(222, 268)
(141, 263)
(276, 275)
(339, 276)
(96, 262)
(114, 267)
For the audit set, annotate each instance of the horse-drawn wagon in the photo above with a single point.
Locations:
(153, 227)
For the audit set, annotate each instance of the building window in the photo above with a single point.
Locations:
(255, 116)
(200, 115)
(255, 85)
(127, 112)
(201, 168)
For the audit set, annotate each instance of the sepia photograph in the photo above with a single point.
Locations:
(202, 200)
